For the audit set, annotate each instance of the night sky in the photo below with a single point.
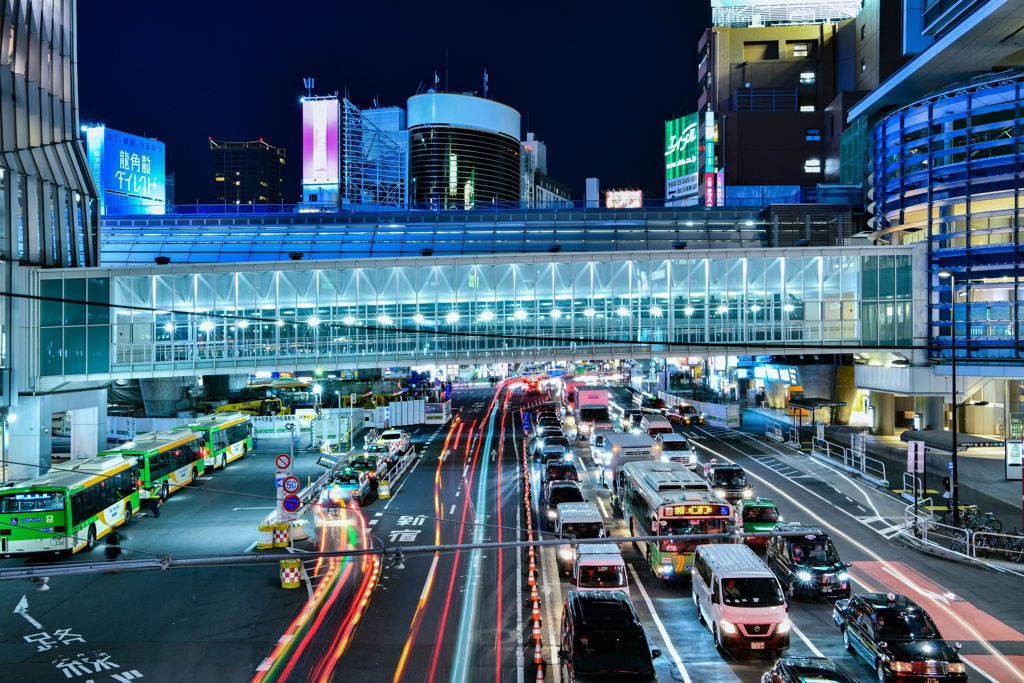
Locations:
(596, 81)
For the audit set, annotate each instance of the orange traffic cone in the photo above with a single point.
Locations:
(536, 607)
(531, 581)
(529, 534)
(540, 670)
(538, 657)
(531, 552)
(533, 565)
(536, 634)
(533, 595)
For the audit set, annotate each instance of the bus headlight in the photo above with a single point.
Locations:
(784, 625)
(748, 493)
(720, 493)
(727, 626)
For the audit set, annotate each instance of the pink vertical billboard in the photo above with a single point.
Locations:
(320, 164)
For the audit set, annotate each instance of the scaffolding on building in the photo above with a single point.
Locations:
(375, 163)
(746, 13)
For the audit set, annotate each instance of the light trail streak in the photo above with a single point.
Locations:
(501, 538)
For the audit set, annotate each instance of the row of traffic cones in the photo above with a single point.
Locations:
(538, 654)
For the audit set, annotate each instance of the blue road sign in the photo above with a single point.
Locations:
(526, 420)
(950, 465)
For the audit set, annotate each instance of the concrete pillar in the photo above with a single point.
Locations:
(932, 410)
(885, 417)
(86, 430)
(165, 396)
(28, 438)
(224, 386)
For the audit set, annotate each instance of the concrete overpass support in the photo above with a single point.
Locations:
(932, 410)
(831, 382)
(223, 386)
(885, 416)
(165, 396)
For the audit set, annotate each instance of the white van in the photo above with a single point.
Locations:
(739, 599)
(654, 425)
(598, 450)
(599, 567)
(677, 448)
(575, 521)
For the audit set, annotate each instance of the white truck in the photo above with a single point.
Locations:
(623, 448)
(599, 567)
(576, 521)
(592, 411)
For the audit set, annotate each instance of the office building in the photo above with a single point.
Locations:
(464, 152)
(49, 218)
(248, 172)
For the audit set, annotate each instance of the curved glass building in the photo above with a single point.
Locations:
(946, 169)
(464, 152)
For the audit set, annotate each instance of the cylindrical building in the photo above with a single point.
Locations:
(464, 152)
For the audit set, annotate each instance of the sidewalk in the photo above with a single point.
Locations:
(981, 470)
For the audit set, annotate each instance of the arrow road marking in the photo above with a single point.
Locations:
(22, 609)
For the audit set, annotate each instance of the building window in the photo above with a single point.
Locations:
(806, 77)
(800, 49)
(812, 134)
(863, 64)
(806, 107)
(812, 166)
(862, 31)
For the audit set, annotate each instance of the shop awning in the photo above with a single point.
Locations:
(942, 440)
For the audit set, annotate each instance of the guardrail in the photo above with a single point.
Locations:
(867, 467)
(773, 430)
(908, 486)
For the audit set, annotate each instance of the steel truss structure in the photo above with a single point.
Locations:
(375, 164)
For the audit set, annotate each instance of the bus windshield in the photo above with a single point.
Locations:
(690, 527)
(49, 501)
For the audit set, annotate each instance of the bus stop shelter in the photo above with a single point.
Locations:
(810, 404)
(942, 440)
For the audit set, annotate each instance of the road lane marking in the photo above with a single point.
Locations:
(661, 627)
(604, 510)
(237, 509)
(452, 511)
(373, 521)
(807, 641)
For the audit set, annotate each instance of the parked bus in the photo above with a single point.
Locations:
(68, 508)
(228, 437)
(168, 460)
(667, 499)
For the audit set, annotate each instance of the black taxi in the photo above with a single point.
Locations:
(807, 563)
(898, 638)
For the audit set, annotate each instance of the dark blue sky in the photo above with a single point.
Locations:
(595, 80)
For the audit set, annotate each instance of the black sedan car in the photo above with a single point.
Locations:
(898, 638)
(802, 669)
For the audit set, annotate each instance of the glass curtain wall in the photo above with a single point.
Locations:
(337, 313)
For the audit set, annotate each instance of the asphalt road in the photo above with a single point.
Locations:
(454, 616)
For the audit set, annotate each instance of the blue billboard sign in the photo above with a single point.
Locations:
(129, 171)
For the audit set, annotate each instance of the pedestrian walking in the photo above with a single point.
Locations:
(113, 548)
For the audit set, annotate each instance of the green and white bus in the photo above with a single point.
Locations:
(69, 507)
(667, 499)
(168, 460)
(228, 437)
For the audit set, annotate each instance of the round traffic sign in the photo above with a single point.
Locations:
(290, 484)
(284, 461)
(291, 503)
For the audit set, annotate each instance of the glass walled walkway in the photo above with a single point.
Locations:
(158, 321)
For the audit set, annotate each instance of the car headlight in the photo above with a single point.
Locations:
(902, 667)
(844, 576)
(784, 626)
(727, 626)
(748, 493)
(955, 667)
(566, 554)
(803, 576)
(552, 514)
(720, 493)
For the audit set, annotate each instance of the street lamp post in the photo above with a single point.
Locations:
(954, 485)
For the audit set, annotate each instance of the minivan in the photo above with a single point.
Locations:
(576, 521)
(739, 599)
(677, 448)
(602, 638)
(655, 425)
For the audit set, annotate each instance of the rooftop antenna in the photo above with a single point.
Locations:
(446, 69)
(435, 80)
(485, 84)
(308, 85)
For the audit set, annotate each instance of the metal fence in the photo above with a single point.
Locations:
(851, 460)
